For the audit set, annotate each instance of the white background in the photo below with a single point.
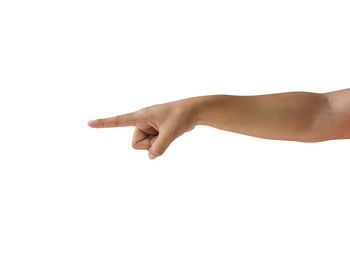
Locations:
(80, 203)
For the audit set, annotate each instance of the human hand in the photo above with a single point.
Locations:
(157, 126)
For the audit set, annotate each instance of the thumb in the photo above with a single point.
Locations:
(159, 146)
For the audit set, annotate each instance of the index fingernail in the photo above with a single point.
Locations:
(95, 123)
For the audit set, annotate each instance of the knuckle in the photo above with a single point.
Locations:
(115, 120)
(143, 113)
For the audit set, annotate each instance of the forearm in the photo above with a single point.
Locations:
(295, 116)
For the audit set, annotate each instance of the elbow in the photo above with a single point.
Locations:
(320, 127)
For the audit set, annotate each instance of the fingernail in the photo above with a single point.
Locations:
(95, 124)
(151, 156)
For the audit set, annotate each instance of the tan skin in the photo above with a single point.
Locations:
(291, 116)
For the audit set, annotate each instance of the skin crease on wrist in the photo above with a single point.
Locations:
(292, 116)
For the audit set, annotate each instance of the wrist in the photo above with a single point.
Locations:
(204, 108)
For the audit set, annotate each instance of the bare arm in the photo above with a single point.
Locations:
(292, 116)
(338, 125)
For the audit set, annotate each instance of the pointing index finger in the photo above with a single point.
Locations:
(128, 119)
